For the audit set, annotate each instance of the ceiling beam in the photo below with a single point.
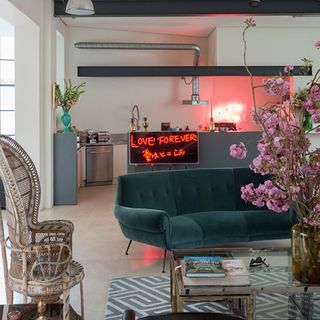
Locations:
(160, 71)
(124, 8)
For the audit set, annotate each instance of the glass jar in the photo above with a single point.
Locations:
(306, 253)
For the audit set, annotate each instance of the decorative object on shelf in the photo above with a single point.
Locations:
(80, 7)
(66, 119)
(211, 125)
(293, 167)
(42, 311)
(306, 253)
(165, 126)
(14, 315)
(145, 124)
(66, 100)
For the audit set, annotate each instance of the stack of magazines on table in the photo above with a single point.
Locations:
(212, 270)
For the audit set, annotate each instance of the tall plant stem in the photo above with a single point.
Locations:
(247, 68)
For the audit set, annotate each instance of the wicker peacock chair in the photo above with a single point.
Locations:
(41, 265)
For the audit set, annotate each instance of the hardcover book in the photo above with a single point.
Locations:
(203, 266)
(234, 267)
(235, 271)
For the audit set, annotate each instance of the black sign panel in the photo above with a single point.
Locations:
(165, 147)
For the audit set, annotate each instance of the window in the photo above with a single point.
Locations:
(7, 80)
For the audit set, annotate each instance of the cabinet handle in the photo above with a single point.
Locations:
(99, 152)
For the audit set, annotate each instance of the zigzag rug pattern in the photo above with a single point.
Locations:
(150, 295)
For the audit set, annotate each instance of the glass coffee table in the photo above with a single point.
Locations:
(270, 279)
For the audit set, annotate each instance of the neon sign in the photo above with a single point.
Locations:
(228, 113)
(163, 147)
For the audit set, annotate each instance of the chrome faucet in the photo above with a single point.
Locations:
(136, 118)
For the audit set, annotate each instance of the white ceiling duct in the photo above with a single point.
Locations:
(195, 98)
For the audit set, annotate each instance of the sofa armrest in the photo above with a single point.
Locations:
(151, 220)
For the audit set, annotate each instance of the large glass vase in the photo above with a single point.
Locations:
(66, 119)
(306, 253)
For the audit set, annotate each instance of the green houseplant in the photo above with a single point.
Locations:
(67, 99)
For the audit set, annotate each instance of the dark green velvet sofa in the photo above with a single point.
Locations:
(194, 208)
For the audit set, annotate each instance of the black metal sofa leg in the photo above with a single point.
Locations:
(128, 247)
(164, 261)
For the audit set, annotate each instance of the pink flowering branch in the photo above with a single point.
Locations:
(284, 147)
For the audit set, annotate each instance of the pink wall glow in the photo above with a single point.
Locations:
(233, 97)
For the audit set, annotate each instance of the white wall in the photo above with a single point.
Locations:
(269, 46)
(212, 48)
(107, 102)
(35, 30)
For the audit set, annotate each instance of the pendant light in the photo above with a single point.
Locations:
(80, 7)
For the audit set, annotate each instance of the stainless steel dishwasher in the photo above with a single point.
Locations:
(99, 164)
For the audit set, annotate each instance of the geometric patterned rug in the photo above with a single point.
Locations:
(150, 295)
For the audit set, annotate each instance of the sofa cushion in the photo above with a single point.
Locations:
(146, 190)
(203, 190)
(202, 229)
(267, 225)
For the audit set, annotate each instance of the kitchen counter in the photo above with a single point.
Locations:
(214, 152)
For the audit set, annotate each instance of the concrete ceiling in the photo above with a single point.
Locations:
(197, 26)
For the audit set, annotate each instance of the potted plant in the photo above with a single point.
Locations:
(67, 99)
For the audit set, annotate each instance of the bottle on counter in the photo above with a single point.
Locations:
(132, 126)
(212, 127)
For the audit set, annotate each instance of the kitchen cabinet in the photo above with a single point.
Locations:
(119, 159)
(65, 168)
(81, 158)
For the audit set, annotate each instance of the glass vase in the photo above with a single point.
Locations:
(306, 253)
(66, 119)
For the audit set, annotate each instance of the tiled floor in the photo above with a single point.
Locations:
(99, 245)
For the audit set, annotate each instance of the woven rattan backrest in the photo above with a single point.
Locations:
(22, 188)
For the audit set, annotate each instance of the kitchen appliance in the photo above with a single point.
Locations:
(91, 136)
(104, 136)
(225, 126)
(99, 164)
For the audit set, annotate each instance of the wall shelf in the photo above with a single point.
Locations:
(173, 71)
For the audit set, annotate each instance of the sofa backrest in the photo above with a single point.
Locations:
(186, 191)
(146, 190)
(198, 190)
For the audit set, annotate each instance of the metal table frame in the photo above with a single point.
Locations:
(179, 294)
